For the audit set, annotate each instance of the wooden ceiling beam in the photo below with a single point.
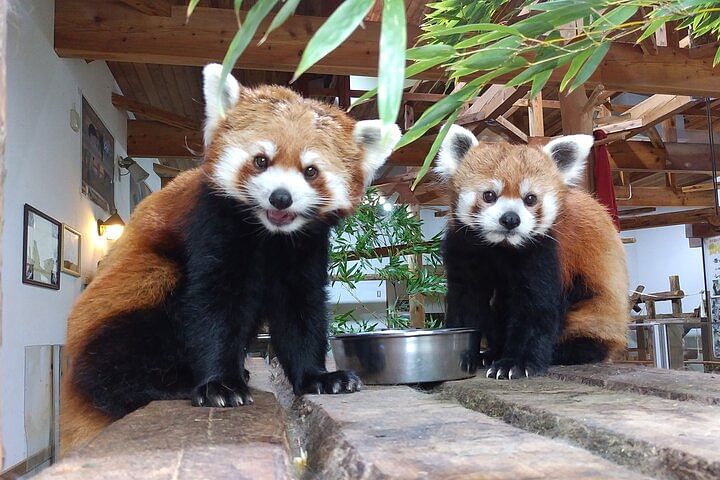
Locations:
(674, 157)
(154, 139)
(109, 30)
(153, 113)
(701, 215)
(661, 197)
(151, 7)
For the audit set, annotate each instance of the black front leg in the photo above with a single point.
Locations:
(298, 332)
(532, 307)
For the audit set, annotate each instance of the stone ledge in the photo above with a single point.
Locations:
(657, 436)
(397, 432)
(672, 384)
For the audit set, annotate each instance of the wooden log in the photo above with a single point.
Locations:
(706, 215)
(151, 7)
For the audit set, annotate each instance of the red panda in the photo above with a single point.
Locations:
(242, 238)
(533, 262)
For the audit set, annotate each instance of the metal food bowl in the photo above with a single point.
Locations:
(390, 357)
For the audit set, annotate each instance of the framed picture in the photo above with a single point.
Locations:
(138, 192)
(71, 251)
(98, 160)
(41, 249)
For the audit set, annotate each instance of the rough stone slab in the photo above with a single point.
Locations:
(669, 438)
(173, 440)
(398, 432)
(672, 384)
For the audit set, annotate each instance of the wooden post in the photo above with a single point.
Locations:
(535, 116)
(675, 332)
(416, 300)
(577, 119)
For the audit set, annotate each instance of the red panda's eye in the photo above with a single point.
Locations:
(530, 199)
(490, 196)
(261, 162)
(311, 172)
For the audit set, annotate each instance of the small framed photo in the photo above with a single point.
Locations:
(71, 251)
(41, 249)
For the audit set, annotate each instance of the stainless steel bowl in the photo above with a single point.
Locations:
(390, 357)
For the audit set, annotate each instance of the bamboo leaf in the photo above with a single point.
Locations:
(191, 8)
(574, 67)
(716, 60)
(651, 28)
(434, 148)
(242, 38)
(427, 52)
(539, 82)
(391, 68)
(282, 16)
(338, 27)
(591, 65)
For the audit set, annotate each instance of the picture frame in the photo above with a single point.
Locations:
(71, 251)
(41, 249)
(98, 159)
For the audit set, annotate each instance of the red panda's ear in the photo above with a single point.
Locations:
(218, 99)
(570, 154)
(455, 146)
(377, 142)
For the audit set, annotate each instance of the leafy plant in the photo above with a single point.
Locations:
(378, 243)
(484, 41)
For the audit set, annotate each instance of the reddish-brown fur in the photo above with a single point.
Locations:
(138, 272)
(589, 245)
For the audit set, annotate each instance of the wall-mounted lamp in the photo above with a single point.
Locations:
(139, 174)
(111, 228)
(389, 203)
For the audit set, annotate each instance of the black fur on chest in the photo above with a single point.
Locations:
(513, 295)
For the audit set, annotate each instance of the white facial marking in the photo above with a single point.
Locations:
(525, 188)
(227, 168)
(466, 203)
(550, 207)
(339, 196)
(304, 197)
(488, 220)
(268, 148)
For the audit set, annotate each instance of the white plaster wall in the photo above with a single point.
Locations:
(659, 253)
(43, 159)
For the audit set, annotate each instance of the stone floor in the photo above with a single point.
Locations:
(601, 421)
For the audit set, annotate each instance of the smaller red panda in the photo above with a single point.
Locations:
(532, 262)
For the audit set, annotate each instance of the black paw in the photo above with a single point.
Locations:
(246, 375)
(342, 381)
(487, 357)
(222, 393)
(470, 361)
(513, 369)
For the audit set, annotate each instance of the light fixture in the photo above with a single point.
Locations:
(111, 228)
(138, 173)
(74, 119)
(389, 203)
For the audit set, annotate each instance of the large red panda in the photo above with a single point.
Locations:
(240, 239)
(532, 261)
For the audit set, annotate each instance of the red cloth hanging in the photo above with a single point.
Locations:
(604, 189)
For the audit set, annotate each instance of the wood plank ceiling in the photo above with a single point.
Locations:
(662, 168)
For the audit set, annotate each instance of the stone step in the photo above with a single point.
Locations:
(173, 440)
(672, 384)
(657, 436)
(398, 432)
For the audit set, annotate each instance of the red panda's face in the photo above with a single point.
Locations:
(290, 160)
(509, 193)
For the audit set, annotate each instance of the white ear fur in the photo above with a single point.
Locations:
(455, 146)
(217, 100)
(378, 142)
(570, 154)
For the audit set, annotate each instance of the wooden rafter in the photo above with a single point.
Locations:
(701, 215)
(108, 30)
(154, 139)
(153, 113)
(661, 197)
(672, 157)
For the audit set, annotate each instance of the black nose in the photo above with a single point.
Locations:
(510, 220)
(280, 199)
